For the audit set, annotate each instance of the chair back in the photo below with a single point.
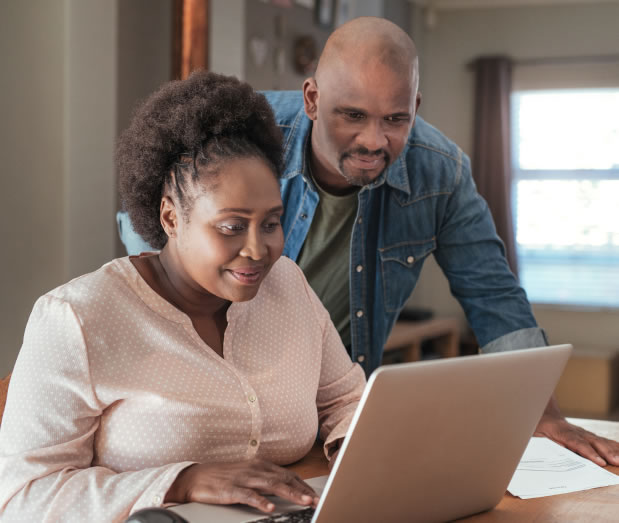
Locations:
(4, 388)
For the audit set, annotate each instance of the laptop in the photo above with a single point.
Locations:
(430, 441)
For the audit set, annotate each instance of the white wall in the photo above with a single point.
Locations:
(447, 86)
(65, 87)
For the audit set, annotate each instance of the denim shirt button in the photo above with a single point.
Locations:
(410, 259)
(304, 216)
(359, 268)
(359, 314)
(361, 358)
(360, 220)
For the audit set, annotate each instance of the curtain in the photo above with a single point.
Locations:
(492, 145)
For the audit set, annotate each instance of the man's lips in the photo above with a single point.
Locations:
(366, 162)
(248, 275)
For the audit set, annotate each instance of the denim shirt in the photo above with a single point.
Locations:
(424, 203)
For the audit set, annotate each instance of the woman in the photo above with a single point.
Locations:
(188, 374)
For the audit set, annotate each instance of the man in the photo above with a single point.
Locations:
(371, 190)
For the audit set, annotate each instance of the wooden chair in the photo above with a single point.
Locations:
(4, 388)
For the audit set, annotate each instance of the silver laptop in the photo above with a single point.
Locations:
(430, 441)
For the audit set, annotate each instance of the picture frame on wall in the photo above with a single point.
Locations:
(324, 13)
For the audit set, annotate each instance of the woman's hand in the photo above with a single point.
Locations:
(244, 482)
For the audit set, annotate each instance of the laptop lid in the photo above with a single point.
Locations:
(439, 440)
(430, 441)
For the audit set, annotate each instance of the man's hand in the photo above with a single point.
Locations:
(245, 482)
(554, 426)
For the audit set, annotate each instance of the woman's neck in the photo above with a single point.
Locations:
(166, 277)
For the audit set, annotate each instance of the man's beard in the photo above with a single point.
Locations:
(362, 179)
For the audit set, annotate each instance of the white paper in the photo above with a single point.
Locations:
(547, 468)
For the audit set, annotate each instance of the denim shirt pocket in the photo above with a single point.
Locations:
(400, 265)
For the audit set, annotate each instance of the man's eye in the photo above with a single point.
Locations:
(355, 116)
(396, 119)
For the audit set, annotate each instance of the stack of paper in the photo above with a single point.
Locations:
(547, 468)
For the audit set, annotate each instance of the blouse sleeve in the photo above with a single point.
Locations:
(341, 381)
(47, 433)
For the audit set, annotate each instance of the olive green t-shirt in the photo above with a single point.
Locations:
(325, 256)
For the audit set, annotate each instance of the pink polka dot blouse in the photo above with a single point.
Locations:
(114, 393)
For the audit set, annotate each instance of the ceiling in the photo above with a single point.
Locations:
(477, 4)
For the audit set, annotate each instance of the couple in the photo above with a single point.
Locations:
(194, 372)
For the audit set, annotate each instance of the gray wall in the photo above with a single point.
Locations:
(447, 87)
(71, 70)
(31, 148)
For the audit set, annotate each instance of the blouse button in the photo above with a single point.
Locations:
(156, 499)
(252, 398)
(253, 443)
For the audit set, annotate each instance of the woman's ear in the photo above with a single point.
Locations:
(310, 98)
(168, 216)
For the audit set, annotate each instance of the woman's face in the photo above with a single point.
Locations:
(233, 235)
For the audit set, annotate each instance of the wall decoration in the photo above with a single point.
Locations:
(305, 3)
(305, 56)
(258, 49)
(343, 12)
(324, 12)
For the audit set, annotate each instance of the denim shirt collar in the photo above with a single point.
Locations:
(295, 158)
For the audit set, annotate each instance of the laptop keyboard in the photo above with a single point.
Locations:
(298, 516)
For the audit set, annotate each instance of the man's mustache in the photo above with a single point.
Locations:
(363, 151)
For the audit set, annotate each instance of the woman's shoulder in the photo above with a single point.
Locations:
(286, 282)
(83, 291)
(285, 271)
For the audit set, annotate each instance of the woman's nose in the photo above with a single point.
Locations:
(255, 247)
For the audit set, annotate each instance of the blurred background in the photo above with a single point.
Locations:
(72, 70)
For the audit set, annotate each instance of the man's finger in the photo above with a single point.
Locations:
(583, 447)
(608, 449)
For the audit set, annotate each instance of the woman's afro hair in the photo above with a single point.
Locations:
(182, 118)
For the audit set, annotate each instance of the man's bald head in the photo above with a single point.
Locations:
(368, 40)
(362, 102)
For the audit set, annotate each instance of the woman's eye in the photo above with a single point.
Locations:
(271, 226)
(229, 228)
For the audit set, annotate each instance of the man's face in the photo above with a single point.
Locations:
(362, 118)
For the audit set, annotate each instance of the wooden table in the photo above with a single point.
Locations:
(601, 504)
(408, 336)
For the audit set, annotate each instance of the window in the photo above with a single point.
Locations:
(566, 194)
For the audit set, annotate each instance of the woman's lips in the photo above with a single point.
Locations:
(247, 275)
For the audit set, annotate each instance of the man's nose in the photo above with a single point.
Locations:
(254, 247)
(372, 136)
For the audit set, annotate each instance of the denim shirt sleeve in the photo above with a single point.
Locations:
(473, 258)
(132, 241)
(520, 339)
